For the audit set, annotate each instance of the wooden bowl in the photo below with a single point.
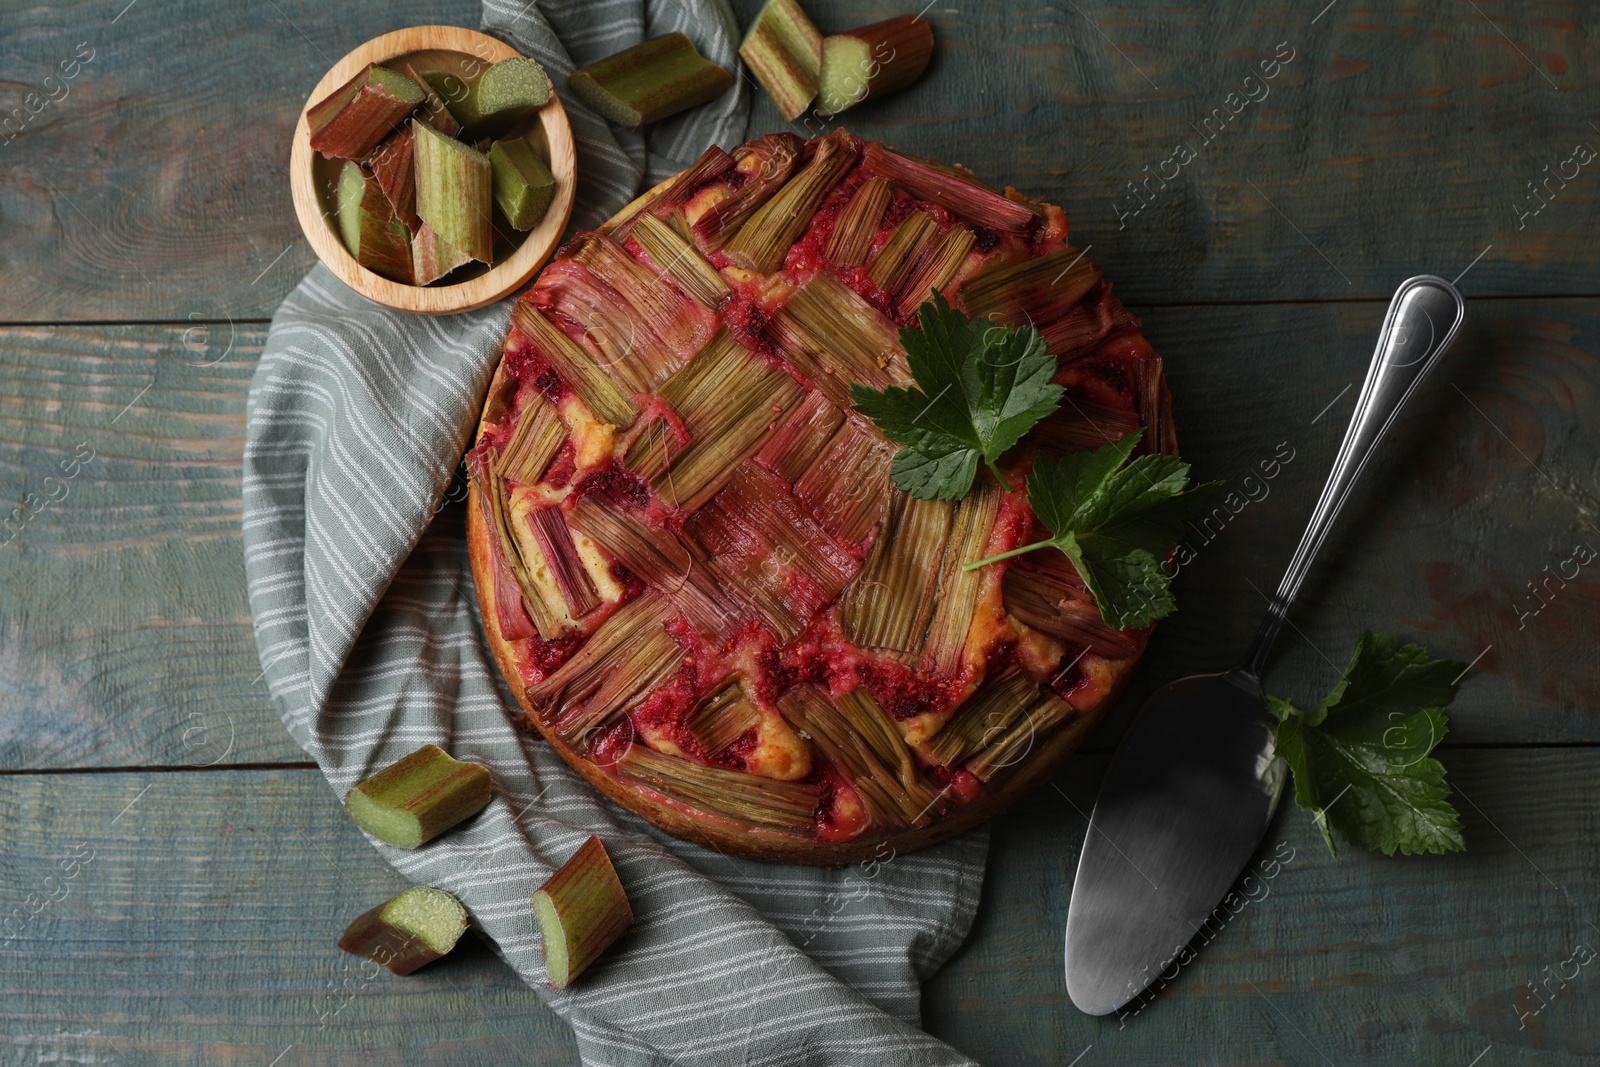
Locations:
(312, 178)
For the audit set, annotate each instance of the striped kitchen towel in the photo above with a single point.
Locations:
(370, 639)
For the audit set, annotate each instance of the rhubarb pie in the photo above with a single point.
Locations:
(694, 569)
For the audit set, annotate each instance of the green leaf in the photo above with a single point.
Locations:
(1116, 521)
(1360, 756)
(979, 388)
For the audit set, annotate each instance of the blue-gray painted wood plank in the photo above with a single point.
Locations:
(1396, 140)
(191, 918)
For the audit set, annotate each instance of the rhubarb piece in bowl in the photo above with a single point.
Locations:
(694, 568)
(425, 233)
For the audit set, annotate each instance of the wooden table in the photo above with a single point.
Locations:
(173, 872)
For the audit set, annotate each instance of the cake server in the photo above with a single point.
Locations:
(1193, 786)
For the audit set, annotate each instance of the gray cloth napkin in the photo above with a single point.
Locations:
(371, 643)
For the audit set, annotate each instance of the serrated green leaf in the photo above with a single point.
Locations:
(1116, 521)
(1360, 757)
(977, 392)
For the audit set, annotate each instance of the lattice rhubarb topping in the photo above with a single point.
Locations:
(709, 587)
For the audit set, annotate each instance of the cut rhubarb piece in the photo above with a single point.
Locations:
(542, 600)
(626, 657)
(717, 211)
(891, 803)
(729, 400)
(983, 718)
(415, 800)
(740, 796)
(682, 325)
(713, 163)
(834, 337)
(759, 543)
(415, 928)
(455, 192)
(676, 257)
(394, 165)
(739, 560)
(510, 616)
(379, 241)
(547, 577)
(847, 487)
(1039, 290)
(650, 81)
(872, 61)
(1044, 592)
(888, 607)
(857, 224)
(898, 257)
(448, 86)
(433, 110)
(622, 346)
(937, 266)
(797, 444)
(1013, 744)
(1096, 316)
(784, 51)
(760, 502)
(959, 588)
(723, 717)
(1083, 422)
(500, 98)
(562, 559)
(581, 910)
(574, 366)
(350, 121)
(879, 731)
(953, 190)
(432, 257)
(763, 241)
(656, 556)
(523, 185)
(534, 442)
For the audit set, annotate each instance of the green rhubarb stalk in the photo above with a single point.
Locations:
(447, 86)
(379, 241)
(857, 224)
(501, 97)
(415, 800)
(350, 121)
(454, 192)
(432, 257)
(411, 930)
(582, 909)
(650, 81)
(394, 166)
(784, 51)
(523, 185)
(872, 61)
(433, 110)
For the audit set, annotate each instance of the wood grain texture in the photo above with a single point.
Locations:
(1399, 139)
(218, 945)
(1396, 141)
(198, 926)
(125, 635)
(1486, 482)
(157, 187)
(127, 628)
(1359, 960)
